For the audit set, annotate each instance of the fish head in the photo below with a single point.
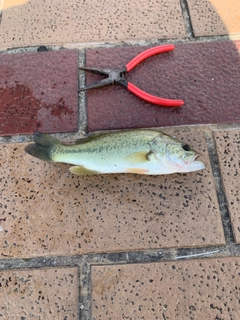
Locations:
(181, 157)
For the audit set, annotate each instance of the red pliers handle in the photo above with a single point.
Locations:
(117, 77)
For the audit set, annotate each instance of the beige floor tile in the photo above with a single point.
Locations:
(78, 21)
(215, 17)
(197, 289)
(45, 210)
(39, 294)
(228, 148)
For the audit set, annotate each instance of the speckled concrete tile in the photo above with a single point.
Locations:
(38, 92)
(204, 75)
(228, 148)
(79, 21)
(197, 289)
(215, 17)
(45, 210)
(39, 294)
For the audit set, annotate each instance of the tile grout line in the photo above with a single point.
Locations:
(222, 199)
(84, 261)
(85, 290)
(187, 19)
(1, 10)
(127, 43)
(82, 101)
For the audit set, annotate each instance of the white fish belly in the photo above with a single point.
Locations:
(115, 164)
(148, 167)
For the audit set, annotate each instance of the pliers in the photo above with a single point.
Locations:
(117, 77)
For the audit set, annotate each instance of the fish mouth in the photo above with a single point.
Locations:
(194, 165)
(195, 157)
(190, 159)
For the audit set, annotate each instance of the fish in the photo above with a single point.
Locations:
(139, 151)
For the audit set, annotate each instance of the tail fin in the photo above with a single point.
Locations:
(44, 146)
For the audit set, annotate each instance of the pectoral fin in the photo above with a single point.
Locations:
(137, 157)
(81, 170)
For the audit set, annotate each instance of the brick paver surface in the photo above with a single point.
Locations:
(228, 146)
(202, 289)
(39, 294)
(79, 21)
(104, 213)
(214, 17)
(119, 246)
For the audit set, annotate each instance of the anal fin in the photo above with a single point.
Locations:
(136, 170)
(81, 170)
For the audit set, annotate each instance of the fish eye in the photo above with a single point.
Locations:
(186, 147)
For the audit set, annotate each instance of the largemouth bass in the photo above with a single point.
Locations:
(131, 151)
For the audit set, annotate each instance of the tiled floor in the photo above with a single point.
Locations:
(119, 246)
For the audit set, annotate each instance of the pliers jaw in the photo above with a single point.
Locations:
(113, 77)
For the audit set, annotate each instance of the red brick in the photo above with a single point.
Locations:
(38, 92)
(204, 75)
